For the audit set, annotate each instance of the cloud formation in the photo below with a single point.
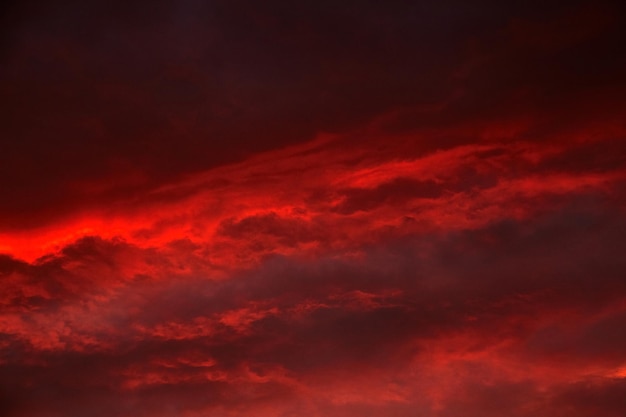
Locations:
(367, 209)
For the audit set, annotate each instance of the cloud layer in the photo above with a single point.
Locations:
(232, 209)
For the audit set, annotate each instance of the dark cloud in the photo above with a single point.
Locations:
(155, 342)
(103, 100)
(604, 396)
(397, 191)
(287, 231)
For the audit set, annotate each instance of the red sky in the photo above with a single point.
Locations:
(313, 208)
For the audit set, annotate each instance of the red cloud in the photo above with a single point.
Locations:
(180, 237)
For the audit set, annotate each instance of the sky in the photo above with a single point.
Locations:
(312, 208)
